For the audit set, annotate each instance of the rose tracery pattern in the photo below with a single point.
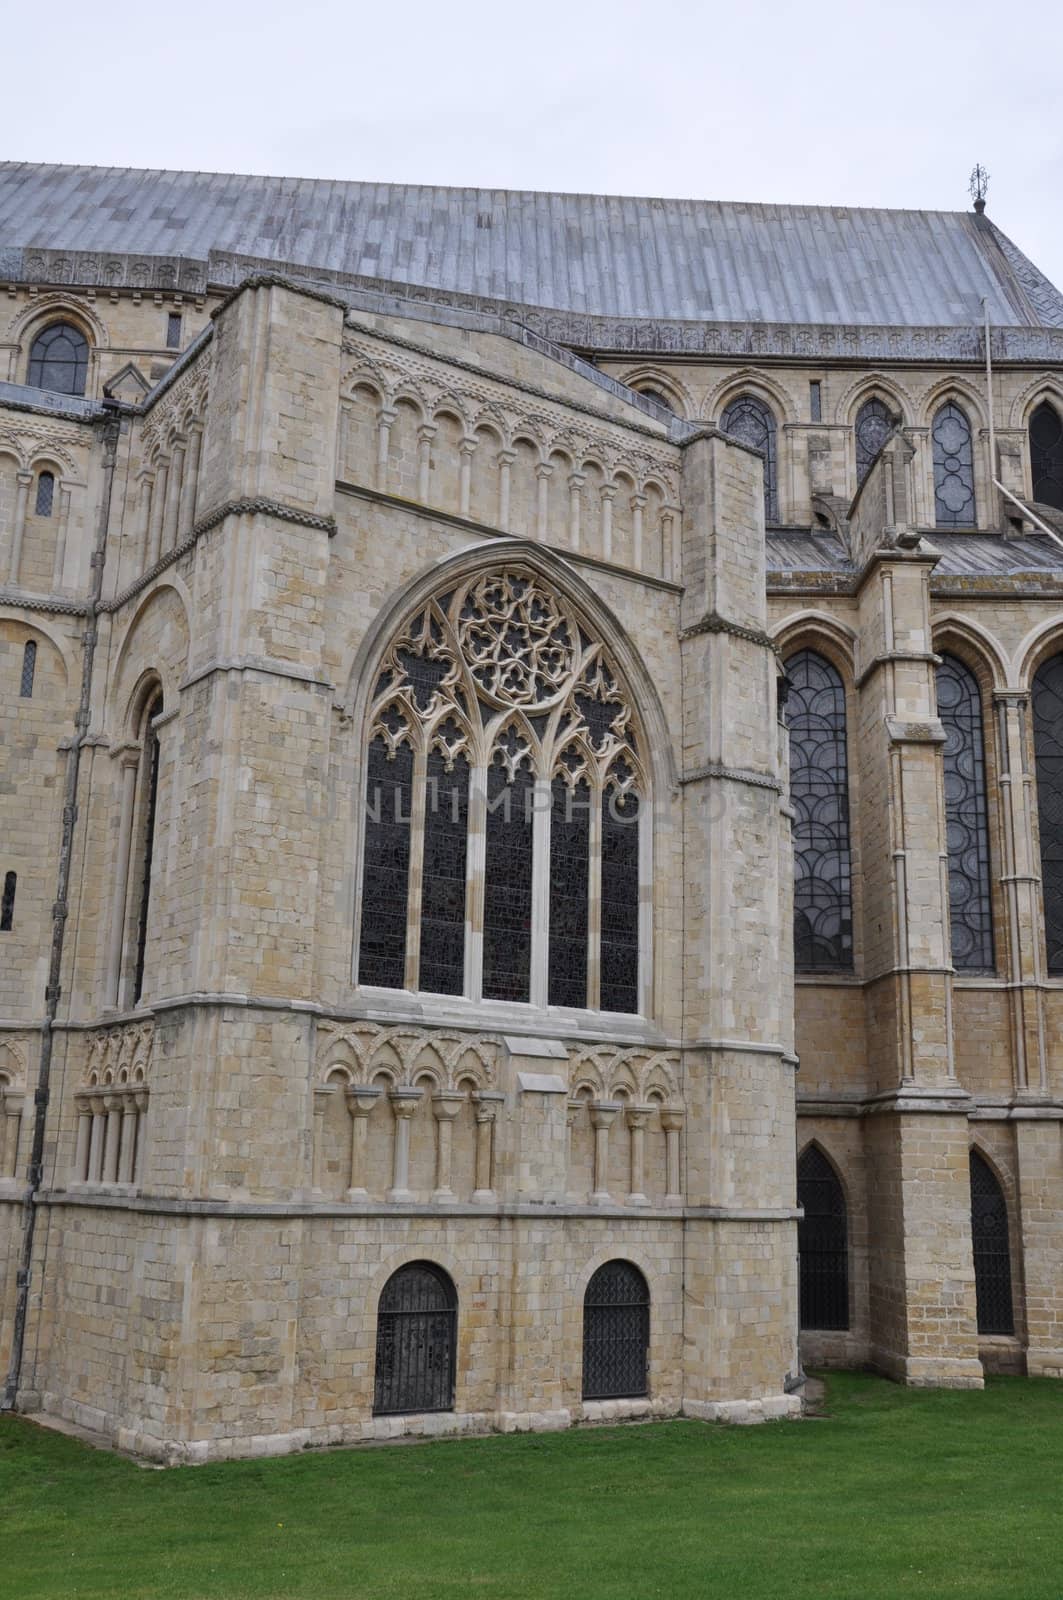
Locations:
(518, 645)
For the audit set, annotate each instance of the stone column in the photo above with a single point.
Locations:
(128, 1146)
(671, 557)
(506, 459)
(487, 1104)
(638, 505)
(158, 509)
(542, 504)
(672, 1123)
(140, 1100)
(130, 759)
(173, 498)
(61, 534)
(575, 500)
(186, 517)
(468, 450)
(445, 1107)
(113, 1137)
(403, 1105)
(1021, 880)
(603, 1113)
(11, 1105)
(574, 1112)
(84, 1134)
(425, 434)
(360, 1103)
(321, 1100)
(385, 417)
(637, 1118)
(99, 1121)
(608, 493)
(143, 533)
(23, 481)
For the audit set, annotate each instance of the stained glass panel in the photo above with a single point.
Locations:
(970, 902)
(620, 902)
(446, 824)
(822, 1243)
(508, 884)
(385, 881)
(992, 1251)
(751, 421)
(1046, 455)
(1048, 751)
(874, 424)
(953, 469)
(570, 833)
(819, 790)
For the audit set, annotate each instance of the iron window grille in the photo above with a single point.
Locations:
(749, 420)
(416, 1341)
(823, 1244)
(819, 791)
(1048, 756)
(616, 1334)
(959, 703)
(59, 360)
(992, 1251)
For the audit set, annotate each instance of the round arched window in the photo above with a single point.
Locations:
(616, 1333)
(416, 1338)
(59, 359)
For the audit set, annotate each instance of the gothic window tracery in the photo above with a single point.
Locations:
(749, 420)
(506, 793)
(959, 704)
(1048, 753)
(874, 424)
(819, 790)
(954, 505)
(1046, 455)
(59, 359)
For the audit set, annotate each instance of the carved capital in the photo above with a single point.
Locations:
(361, 1100)
(603, 1112)
(446, 1105)
(672, 1118)
(404, 1102)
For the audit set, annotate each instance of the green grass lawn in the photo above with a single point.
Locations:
(894, 1493)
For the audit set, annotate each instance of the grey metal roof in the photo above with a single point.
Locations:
(795, 552)
(595, 254)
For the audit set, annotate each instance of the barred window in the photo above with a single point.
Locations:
(59, 360)
(29, 669)
(749, 420)
(1046, 455)
(819, 790)
(1048, 753)
(953, 468)
(616, 1333)
(416, 1341)
(7, 902)
(959, 703)
(822, 1243)
(45, 494)
(506, 794)
(874, 424)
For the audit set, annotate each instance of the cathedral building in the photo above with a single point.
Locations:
(531, 806)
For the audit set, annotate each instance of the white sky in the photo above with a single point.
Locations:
(849, 104)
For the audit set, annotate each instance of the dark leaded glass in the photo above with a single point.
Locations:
(620, 902)
(751, 421)
(1048, 752)
(616, 1334)
(385, 884)
(819, 790)
(416, 1339)
(7, 902)
(992, 1254)
(151, 776)
(29, 669)
(953, 469)
(508, 884)
(874, 424)
(570, 835)
(1046, 455)
(173, 331)
(966, 817)
(446, 824)
(822, 1242)
(42, 506)
(59, 360)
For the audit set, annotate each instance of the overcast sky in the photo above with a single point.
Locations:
(850, 104)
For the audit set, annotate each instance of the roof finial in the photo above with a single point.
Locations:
(978, 186)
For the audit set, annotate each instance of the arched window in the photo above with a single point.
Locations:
(45, 494)
(1048, 754)
(7, 902)
(661, 399)
(1046, 455)
(29, 669)
(992, 1253)
(616, 1334)
(874, 424)
(503, 763)
(59, 359)
(959, 703)
(819, 790)
(953, 468)
(416, 1341)
(150, 781)
(752, 422)
(823, 1244)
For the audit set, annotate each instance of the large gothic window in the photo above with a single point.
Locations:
(505, 806)
(59, 360)
(874, 424)
(819, 790)
(1048, 751)
(416, 1341)
(953, 468)
(822, 1243)
(992, 1253)
(966, 816)
(1046, 455)
(751, 421)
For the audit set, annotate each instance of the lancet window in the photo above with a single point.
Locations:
(819, 789)
(749, 420)
(874, 424)
(1048, 751)
(506, 807)
(953, 468)
(1046, 455)
(966, 816)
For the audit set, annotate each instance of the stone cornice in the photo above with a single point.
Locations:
(754, 780)
(712, 622)
(260, 506)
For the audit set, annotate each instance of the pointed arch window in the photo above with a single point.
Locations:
(1046, 455)
(959, 702)
(506, 807)
(992, 1251)
(953, 468)
(752, 422)
(1048, 755)
(59, 360)
(823, 1244)
(874, 424)
(150, 778)
(819, 791)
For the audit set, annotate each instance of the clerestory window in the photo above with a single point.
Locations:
(506, 806)
(59, 359)
(749, 420)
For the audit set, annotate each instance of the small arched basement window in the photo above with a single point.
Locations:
(819, 790)
(1048, 755)
(616, 1334)
(874, 424)
(992, 1251)
(752, 422)
(59, 360)
(823, 1244)
(959, 703)
(1046, 455)
(953, 468)
(416, 1341)
(42, 505)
